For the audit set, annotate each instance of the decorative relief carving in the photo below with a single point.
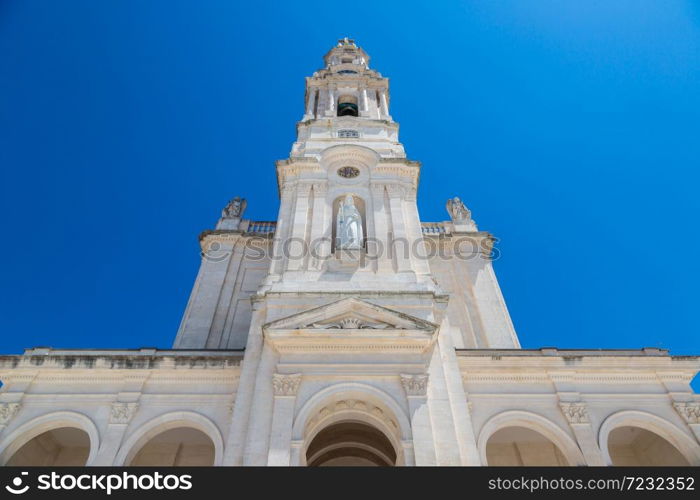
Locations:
(122, 413)
(575, 413)
(353, 323)
(348, 172)
(352, 405)
(7, 411)
(414, 385)
(286, 385)
(690, 411)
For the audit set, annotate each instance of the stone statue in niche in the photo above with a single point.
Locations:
(459, 213)
(234, 208)
(349, 225)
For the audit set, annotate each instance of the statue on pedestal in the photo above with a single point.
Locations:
(349, 225)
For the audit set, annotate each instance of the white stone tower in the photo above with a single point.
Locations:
(348, 332)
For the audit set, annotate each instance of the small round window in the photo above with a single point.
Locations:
(348, 172)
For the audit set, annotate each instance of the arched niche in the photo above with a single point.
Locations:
(361, 208)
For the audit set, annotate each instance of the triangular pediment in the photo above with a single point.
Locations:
(351, 314)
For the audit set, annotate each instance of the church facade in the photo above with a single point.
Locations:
(348, 332)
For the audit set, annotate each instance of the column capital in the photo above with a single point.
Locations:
(414, 385)
(689, 410)
(7, 412)
(575, 412)
(122, 413)
(286, 384)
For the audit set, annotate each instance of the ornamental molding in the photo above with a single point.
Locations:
(690, 411)
(286, 385)
(122, 413)
(414, 385)
(351, 325)
(8, 411)
(575, 413)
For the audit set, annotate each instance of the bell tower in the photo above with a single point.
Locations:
(348, 148)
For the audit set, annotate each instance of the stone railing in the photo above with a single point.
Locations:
(268, 227)
(429, 228)
(261, 227)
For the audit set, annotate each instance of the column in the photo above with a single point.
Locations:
(379, 249)
(330, 111)
(285, 389)
(320, 238)
(236, 440)
(260, 420)
(576, 414)
(120, 414)
(399, 242)
(365, 103)
(297, 246)
(383, 106)
(447, 449)
(284, 223)
(461, 410)
(310, 104)
(414, 233)
(415, 387)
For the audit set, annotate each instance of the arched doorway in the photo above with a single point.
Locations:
(350, 444)
(63, 446)
(181, 446)
(635, 446)
(520, 446)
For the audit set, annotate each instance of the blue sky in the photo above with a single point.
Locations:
(570, 129)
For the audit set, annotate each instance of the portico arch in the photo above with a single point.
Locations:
(192, 425)
(357, 409)
(72, 436)
(535, 428)
(661, 440)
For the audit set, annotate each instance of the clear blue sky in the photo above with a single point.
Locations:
(571, 130)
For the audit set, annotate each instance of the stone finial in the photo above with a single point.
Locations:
(122, 413)
(414, 385)
(690, 411)
(7, 411)
(286, 385)
(575, 413)
(459, 213)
